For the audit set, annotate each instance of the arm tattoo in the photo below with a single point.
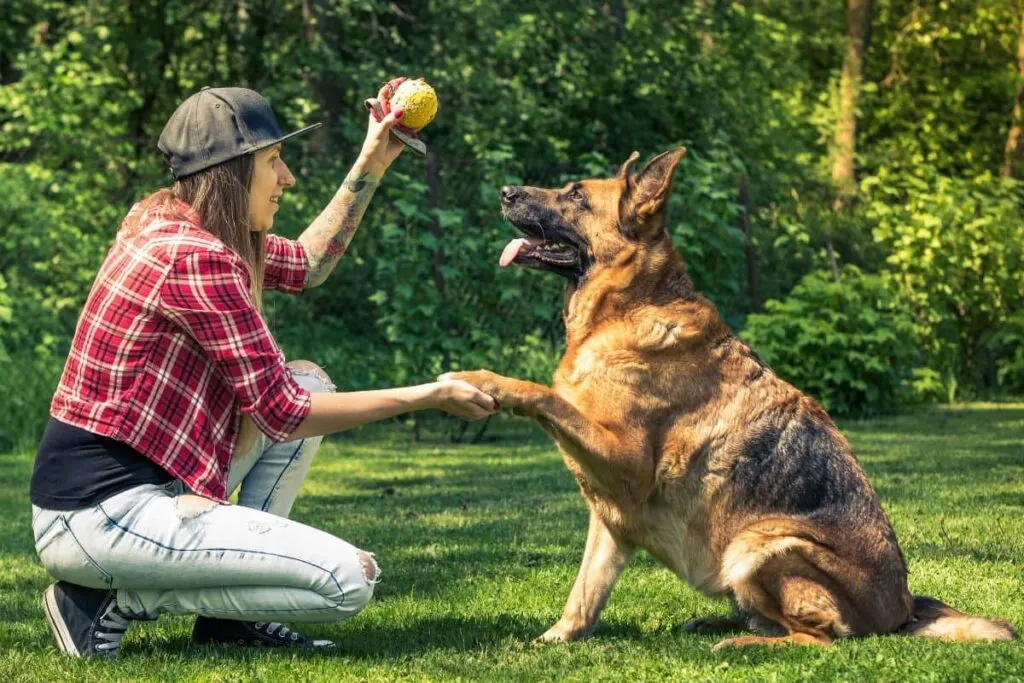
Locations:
(327, 238)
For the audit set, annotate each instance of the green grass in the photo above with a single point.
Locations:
(479, 546)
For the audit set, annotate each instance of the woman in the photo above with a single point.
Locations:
(170, 360)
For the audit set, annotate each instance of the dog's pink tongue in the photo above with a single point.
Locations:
(512, 249)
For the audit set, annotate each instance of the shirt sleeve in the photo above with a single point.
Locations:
(286, 265)
(206, 292)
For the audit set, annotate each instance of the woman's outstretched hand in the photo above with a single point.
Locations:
(463, 400)
(380, 148)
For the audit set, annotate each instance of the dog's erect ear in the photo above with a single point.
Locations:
(627, 166)
(648, 190)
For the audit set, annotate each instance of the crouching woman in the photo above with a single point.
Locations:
(175, 394)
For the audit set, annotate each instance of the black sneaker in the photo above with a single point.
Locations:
(85, 621)
(210, 631)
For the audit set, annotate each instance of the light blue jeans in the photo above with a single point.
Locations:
(166, 551)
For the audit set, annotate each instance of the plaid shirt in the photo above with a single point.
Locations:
(170, 347)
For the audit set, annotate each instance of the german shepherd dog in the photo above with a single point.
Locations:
(685, 443)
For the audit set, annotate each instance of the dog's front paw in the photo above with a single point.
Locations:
(484, 380)
(561, 633)
(509, 393)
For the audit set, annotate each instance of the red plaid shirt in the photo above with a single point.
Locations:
(170, 346)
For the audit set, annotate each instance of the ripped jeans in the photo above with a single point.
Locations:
(166, 551)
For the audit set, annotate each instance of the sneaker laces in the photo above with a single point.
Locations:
(114, 623)
(276, 629)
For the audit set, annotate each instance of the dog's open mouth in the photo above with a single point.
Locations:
(534, 251)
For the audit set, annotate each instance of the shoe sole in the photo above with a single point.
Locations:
(60, 630)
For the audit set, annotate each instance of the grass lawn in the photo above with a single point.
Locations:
(480, 544)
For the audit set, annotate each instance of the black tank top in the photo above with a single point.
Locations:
(77, 469)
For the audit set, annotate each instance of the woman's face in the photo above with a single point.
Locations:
(269, 178)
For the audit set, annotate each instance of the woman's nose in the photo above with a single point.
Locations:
(285, 177)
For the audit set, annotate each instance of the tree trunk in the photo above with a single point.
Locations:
(433, 201)
(707, 40)
(321, 38)
(844, 145)
(147, 83)
(748, 241)
(617, 12)
(1013, 164)
(483, 428)
(318, 138)
(833, 262)
(858, 33)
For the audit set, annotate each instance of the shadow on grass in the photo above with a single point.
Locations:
(481, 521)
(483, 506)
(367, 640)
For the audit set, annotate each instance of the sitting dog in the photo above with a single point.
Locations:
(685, 443)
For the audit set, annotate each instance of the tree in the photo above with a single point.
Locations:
(858, 34)
(1013, 163)
(844, 144)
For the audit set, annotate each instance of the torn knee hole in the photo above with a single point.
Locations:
(307, 367)
(189, 506)
(370, 569)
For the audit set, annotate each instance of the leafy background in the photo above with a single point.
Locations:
(906, 286)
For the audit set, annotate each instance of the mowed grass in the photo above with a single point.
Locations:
(479, 546)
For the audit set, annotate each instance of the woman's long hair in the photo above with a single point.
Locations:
(220, 196)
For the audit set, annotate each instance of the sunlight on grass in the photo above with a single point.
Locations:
(479, 546)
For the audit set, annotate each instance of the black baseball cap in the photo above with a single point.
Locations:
(218, 124)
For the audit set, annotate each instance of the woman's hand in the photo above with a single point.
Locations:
(462, 400)
(380, 148)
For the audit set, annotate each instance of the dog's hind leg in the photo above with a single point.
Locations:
(603, 560)
(791, 639)
(779, 579)
(790, 593)
(736, 621)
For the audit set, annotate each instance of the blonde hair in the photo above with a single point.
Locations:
(220, 196)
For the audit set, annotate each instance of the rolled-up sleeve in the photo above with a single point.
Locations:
(286, 265)
(206, 292)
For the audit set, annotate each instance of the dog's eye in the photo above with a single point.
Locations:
(576, 195)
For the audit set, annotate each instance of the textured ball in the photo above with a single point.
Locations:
(419, 102)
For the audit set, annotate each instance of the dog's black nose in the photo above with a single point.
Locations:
(509, 193)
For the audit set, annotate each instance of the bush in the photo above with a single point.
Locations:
(1009, 352)
(851, 344)
(956, 255)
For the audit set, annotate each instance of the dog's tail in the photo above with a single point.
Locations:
(934, 619)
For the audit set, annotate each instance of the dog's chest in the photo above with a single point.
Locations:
(673, 526)
(594, 372)
(619, 384)
(677, 532)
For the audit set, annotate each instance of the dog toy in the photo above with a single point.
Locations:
(419, 102)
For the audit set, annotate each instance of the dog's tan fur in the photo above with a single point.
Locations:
(684, 443)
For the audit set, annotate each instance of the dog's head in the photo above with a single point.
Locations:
(589, 223)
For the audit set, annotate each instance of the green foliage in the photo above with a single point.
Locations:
(956, 253)
(850, 344)
(942, 83)
(539, 93)
(704, 220)
(1009, 354)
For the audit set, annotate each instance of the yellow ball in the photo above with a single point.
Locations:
(419, 102)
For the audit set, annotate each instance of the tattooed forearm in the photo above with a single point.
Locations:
(327, 238)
